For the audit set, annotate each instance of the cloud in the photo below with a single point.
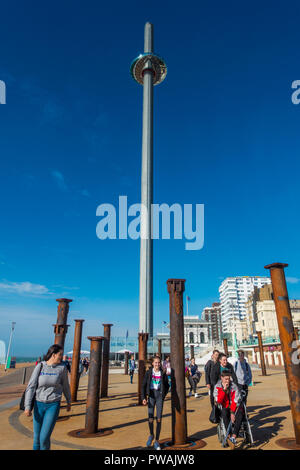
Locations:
(24, 288)
(292, 280)
(59, 180)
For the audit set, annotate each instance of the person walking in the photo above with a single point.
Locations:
(243, 372)
(39, 359)
(131, 368)
(207, 370)
(47, 383)
(66, 363)
(221, 365)
(154, 390)
(194, 377)
(167, 368)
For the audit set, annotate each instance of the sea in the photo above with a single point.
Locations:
(25, 359)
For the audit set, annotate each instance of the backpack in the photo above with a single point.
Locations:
(247, 367)
(22, 401)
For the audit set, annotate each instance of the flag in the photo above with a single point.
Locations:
(165, 322)
(188, 298)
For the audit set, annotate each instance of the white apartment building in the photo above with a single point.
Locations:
(234, 293)
(267, 318)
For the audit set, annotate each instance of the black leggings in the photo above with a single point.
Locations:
(155, 399)
(238, 419)
(193, 380)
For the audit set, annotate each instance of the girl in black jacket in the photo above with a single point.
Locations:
(154, 390)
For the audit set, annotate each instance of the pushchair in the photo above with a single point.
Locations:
(245, 430)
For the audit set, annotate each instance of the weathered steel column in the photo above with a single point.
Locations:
(288, 345)
(76, 359)
(143, 339)
(159, 347)
(92, 402)
(261, 353)
(178, 400)
(225, 344)
(296, 330)
(105, 361)
(192, 351)
(126, 363)
(61, 327)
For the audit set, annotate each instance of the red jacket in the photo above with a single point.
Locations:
(227, 400)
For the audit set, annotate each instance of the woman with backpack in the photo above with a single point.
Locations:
(193, 377)
(47, 383)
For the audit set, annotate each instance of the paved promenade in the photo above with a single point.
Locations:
(268, 407)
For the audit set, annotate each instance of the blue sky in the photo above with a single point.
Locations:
(226, 136)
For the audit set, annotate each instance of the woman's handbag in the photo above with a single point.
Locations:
(22, 402)
(215, 415)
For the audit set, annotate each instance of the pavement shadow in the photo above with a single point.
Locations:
(265, 425)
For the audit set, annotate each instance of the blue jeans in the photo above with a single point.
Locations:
(44, 419)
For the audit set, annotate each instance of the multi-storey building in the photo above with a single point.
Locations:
(213, 315)
(234, 293)
(262, 314)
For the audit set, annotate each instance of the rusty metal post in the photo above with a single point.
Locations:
(92, 403)
(261, 353)
(126, 363)
(24, 376)
(159, 348)
(61, 327)
(143, 340)
(178, 399)
(225, 344)
(105, 360)
(296, 330)
(192, 351)
(76, 359)
(287, 339)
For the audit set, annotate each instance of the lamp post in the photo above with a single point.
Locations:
(9, 344)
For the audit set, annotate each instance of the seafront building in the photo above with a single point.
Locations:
(234, 293)
(261, 313)
(196, 333)
(213, 316)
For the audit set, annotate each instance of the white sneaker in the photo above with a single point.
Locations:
(157, 446)
(196, 395)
